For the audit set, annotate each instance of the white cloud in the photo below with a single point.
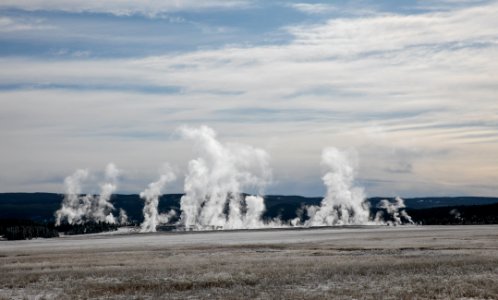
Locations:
(437, 5)
(9, 24)
(150, 8)
(313, 8)
(428, 80)
(394, 32)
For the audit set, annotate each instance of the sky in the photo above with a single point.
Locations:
(409, 87)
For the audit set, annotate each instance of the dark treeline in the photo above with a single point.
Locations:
(41, 206)
(15, 229)
(27, 216)
(86, 228)
(29, 232)
(26, 229)
(456, 215)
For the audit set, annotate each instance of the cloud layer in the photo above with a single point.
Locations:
(414, 93)
(122, 8)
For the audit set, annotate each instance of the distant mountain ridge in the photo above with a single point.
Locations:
(41, 206)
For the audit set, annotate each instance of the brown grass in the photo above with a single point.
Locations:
(283, 271)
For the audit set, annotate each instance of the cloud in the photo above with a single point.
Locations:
(428, 80)
(391, 32)
(428, 61)
(10, 24)
(438, 5)
(313, 8)
(147, 8)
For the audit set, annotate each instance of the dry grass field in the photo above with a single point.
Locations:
(424, 262)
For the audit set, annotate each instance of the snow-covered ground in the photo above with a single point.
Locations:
(404, 262)
(364, 236)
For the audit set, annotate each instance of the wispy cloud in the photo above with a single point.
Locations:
(11, 24)
(313, 8)
(123, 8)
(424, 82)
(438, 5)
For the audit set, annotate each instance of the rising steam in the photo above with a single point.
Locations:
(215, 181)
(344, 203)
(77, 208)
(214, 186)
(392, 212)
(151, 195)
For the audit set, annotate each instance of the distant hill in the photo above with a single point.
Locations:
(456, 215)
(41, 206)
(430, 202)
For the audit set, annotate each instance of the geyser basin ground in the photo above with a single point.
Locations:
(361, 262)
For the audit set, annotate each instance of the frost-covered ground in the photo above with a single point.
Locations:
(353, 262)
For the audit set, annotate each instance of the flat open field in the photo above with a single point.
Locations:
(434, 262)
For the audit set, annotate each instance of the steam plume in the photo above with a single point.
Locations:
(104, 208)
(456, 214)
(150, 195)
(215, 180)
(344, 203)
(77, 208)
(74, 206)
(213, 196)
(392, 213)
(123, 217)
